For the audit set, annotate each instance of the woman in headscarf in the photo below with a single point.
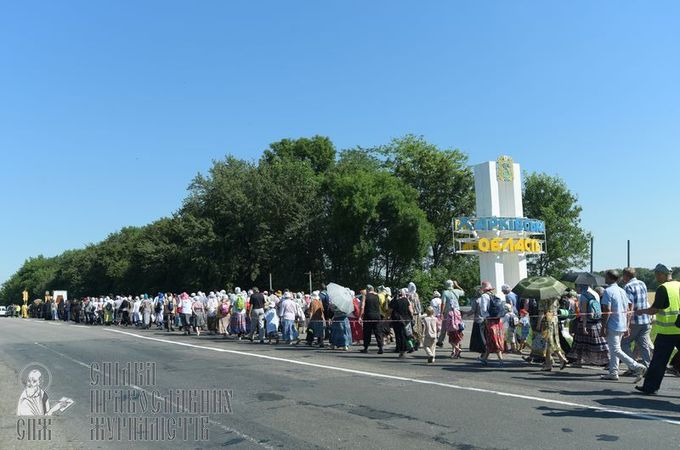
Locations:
(385, 297)
(401, 314)
(170, 308)
(125, 310)
(493, 327)
(317, 321)
(198, 309)
(223, 315)
(453, 326)
(211, 312)
(271, 318)
(187, 303)
(341, 334)
(287, 312)
(355, 327)
(590, 346)
(479, 311)
(147, 309)
(550, 333)
(414, 299)
(237, 324)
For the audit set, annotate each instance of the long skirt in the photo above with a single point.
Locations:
(538, 346)
(495, 336)
(477, 342)
(237, 324)
(357, 330)
(455, 337)
(590, 348)
(341, 335)
(199, 319)
(272, 323)
(223, 325)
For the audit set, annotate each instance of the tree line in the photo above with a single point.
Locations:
(380, 215)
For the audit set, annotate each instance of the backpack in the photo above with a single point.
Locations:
(170, 307)
(109, 307)
(240, 303)
(594, 310)
(496, 307)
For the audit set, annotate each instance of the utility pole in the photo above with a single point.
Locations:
(270, 282)
(310, 281)
(592, 241)
(628, 253)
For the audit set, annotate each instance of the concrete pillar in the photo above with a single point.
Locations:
(499, 198)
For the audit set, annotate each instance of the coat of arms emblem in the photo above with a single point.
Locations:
(504, 169)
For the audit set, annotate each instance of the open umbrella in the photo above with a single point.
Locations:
(587, 278)
(539, 288)
(340, 297)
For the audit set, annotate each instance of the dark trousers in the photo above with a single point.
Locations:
(372, 327)
(663, 348)
(675, 362)
(400, 336)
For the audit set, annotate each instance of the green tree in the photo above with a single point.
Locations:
(443, 181)
(375, 229)
(319, 151)
(549, 199)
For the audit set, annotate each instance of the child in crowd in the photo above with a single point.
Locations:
(430, 334)
(522, 330)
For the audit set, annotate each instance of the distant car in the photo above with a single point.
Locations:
(3, 311)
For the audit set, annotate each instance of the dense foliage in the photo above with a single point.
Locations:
(379, 215)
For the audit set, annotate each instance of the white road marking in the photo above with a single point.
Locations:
(412, 380)
(157, 397)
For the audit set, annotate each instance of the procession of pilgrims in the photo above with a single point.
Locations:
(550, 325)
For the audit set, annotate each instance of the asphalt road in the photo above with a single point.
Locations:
(300, 397)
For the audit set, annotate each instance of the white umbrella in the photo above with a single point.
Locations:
(340, 297)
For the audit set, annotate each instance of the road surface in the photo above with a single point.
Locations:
(301, 397)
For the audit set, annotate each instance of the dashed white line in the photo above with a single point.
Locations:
(412, 380)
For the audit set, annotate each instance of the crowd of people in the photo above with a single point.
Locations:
(588, 325)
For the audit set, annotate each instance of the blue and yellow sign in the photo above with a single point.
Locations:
(480, 235)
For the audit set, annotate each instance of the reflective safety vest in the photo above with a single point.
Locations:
(665, 318)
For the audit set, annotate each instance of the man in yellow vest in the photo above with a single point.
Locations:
(667, 326)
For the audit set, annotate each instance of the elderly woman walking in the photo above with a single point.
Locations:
(317, 321)
(494, 332)
(414, 299)
(341, 334)
(186, 304)
(402, 313)
(237, 324)
(223, 315)
(590, 346)
(198, 308)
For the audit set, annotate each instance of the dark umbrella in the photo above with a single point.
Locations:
(539, 288)
(585, 278)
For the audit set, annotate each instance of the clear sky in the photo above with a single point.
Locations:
(108, 109)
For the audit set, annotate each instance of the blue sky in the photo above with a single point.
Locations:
(108, 109)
